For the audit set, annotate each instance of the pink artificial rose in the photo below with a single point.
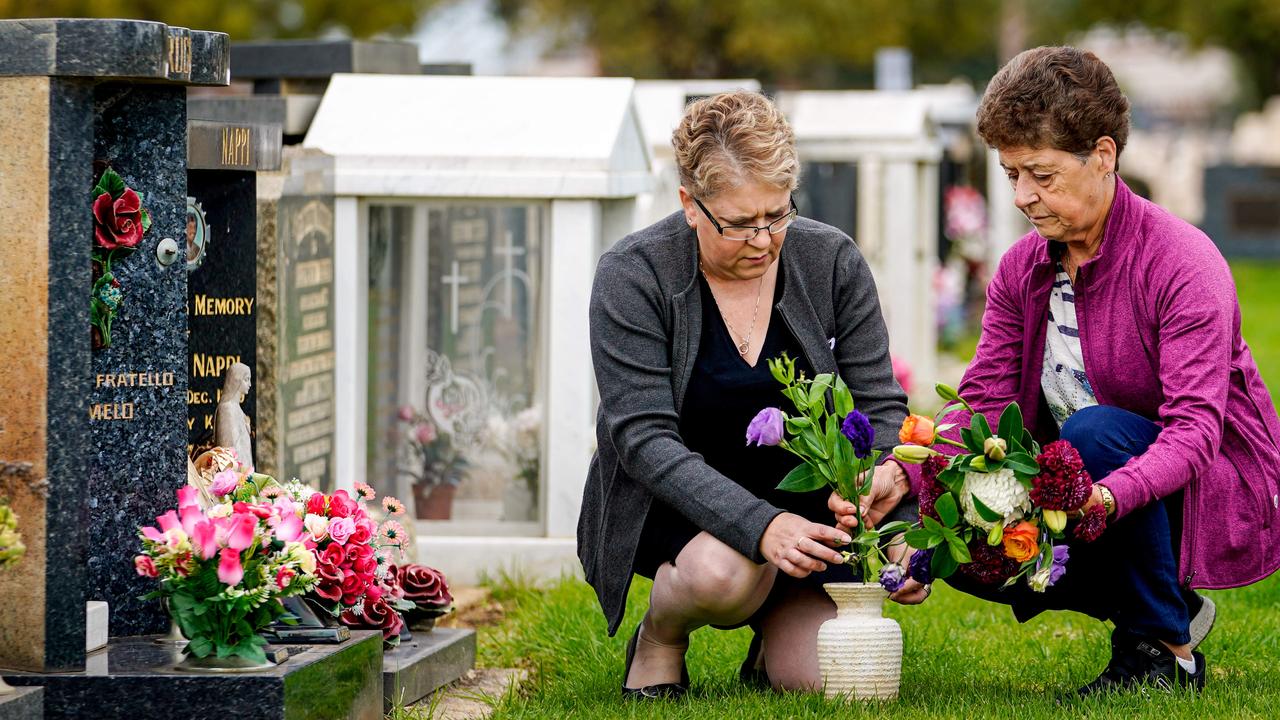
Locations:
(188, 495)
(205, 537)
(145, 566)
(341, 505)
(288, 527)
(424, 433)
(406, 413)
(224, 483)
(230, 571)
(240, 532)
(341, 529)
(284, 576)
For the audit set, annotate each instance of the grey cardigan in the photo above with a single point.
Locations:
(645, 326)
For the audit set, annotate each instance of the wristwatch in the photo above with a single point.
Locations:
(1108, 500)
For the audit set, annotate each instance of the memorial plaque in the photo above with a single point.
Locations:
(1242, 210)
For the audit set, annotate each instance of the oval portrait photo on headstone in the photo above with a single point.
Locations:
(197, 234)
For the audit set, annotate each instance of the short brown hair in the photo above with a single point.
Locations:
(1056, 97)
(731, 138)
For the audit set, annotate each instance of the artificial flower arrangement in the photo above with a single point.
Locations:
(11, 547)
(224, 570)
(119, 221)
(438, 459)
(836, 448)
(996, 511)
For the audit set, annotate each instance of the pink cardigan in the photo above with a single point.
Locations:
(1160, 331)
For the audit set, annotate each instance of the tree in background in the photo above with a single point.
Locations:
(244, 19)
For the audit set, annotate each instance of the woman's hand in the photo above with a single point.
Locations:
(889, 484)
(911, 592)
(799, 547)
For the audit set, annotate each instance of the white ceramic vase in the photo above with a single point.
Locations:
(860, 650)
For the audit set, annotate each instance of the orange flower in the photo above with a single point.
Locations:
(1022, 541)
(917, 429)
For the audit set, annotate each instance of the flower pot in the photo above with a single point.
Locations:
(215, 664)
(859, 650)
(434, 503)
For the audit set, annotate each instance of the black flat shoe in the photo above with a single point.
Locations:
(751, 674)
(664, 691)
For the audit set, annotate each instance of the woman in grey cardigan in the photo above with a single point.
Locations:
(684, 314)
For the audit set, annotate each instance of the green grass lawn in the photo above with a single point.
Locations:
(963, 658)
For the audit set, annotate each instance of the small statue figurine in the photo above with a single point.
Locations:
(230, 424)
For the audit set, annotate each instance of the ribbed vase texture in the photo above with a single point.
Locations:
(860, 650)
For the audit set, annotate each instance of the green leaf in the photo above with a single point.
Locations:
(921, 538)
(200, 646)
(1022, 463)
(967, 437)
(110, 182)
(893, 528)
(1010, 422)
(798, 397)
(932, 525)
(843, 398)
(981, 430)
(146, 220)
(987, 513)
(802, 479)
(1029, 443)
(942, 565)
(944, 412)
(796, 424)
(818, 388)
(947, 510)
(958, 550)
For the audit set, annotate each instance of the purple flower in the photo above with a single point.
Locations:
(1059, 563)
(921, 570)
(766, 427)
(892, 577)
(858, 429)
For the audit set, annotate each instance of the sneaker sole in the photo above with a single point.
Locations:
(1202, 623)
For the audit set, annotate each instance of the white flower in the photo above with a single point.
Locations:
(1000, 491)
(220, 510)
(1040, 579)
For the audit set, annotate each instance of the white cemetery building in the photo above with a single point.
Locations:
(660, 105)
(469, 215)
(871, 168)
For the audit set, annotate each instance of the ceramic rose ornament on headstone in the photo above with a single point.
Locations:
(119, 222)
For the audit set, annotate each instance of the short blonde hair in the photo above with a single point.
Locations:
(732, 138)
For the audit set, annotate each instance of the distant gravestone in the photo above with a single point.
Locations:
(220, 255)
(1242, 210)
(91, 440)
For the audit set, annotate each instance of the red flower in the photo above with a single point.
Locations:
(1063, 483)
(930, 488)
(332, 555)
(1092, 524)
(990, 565)
(117, 223)
(329, 590)
(377, 614)
(315, 504)
(425, 586)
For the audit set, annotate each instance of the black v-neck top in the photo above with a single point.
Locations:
(723, 396)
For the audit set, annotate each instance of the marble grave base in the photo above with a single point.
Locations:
(135, 678)
(426, 663)
(26, 703)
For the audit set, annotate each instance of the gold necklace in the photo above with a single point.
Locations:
(745, 346)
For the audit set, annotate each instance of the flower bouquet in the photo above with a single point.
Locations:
(357, 581)
(997, 510)
(224, 571)
(837, 453)
(859, 651)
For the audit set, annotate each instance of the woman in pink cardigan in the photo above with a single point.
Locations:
(1115, 325)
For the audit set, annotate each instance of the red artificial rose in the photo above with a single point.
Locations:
(329, 590)
(425, 586)
(117, 223)
(361, 535)
(377, 614)
(315, 504)
(341, 504)
(391, 584)
(332, 555)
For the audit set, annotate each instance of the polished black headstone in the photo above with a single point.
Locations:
(320, 59)
(1242, 210)
(429, 661)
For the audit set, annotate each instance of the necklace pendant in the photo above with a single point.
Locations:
(743, 347)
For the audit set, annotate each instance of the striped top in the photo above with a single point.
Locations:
(1066, 388)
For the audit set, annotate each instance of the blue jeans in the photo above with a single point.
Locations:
(1129, 575)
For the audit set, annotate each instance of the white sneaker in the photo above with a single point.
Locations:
(1202, 621)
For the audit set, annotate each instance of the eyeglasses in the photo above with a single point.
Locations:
(743, 233)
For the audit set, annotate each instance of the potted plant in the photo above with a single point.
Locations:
(435, 462)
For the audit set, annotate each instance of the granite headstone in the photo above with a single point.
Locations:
(1242, 210)
(91, 441)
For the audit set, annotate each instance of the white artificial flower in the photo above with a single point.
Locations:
(1040, 579)
(1000, 491)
